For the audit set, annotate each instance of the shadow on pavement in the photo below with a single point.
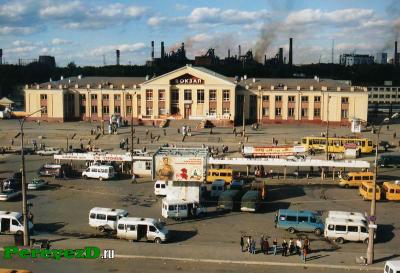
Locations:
(383, 259)
(180, 235)
(276, 192)
(316, 257)
(384, 233)
(49, 227)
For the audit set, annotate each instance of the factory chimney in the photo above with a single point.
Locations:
(396, 57)
(265, 59)
(1, 56)
(118, 55)
(281, 55)
(240, 51)
(152, 50)
(290, 51)
(229, 53)
(162, 50)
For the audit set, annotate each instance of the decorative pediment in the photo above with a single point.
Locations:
(186, 79)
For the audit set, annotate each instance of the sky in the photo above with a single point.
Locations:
(88, 32)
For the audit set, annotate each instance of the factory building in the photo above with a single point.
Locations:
(197, 93)
(355, 59)
(383, 100)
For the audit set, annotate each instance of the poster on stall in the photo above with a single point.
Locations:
(179, 168)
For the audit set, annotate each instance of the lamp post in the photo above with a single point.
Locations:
(372, 218)
(327, 128)
(23, 178)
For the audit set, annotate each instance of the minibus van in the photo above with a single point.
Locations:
(12, 223)
(217, 187)
(391, 191)
(133, 228)
(224, 174)
(251, 201)
(105, 218)
(179, 209)
(101, 172)
(354, 179)
(230, 200)
(392, 266)
(160, 188)
(348, 215)
(365, 191)
(300, 220)
(342, 230)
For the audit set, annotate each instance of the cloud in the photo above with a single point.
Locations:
(10, 30)
(58, 41)
(21, 50)
(122, 47)
(205, 16)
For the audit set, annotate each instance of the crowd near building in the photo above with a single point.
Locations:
(197, 93)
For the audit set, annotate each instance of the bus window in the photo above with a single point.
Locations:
(363, 143)
(322, 142)
(304, 141)
(369, 143)
(357, 178)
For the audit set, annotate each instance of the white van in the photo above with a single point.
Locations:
(12, 223)
(392, 266)
(217, 187)
(179, 209)
(132, 228)
(100, 172)
(160, 188)
(105, 218)
(348, 215)
(342, 230)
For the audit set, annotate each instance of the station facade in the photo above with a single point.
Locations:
(196, 93)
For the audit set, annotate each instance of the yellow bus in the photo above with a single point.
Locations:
(336, 144)
(365, 190)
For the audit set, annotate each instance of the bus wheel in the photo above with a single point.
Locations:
(366, 241)
(102, 229)
(291, 230)
(157, 240)
(85, 177)
(340, 240)
(346, 186)
(317, 232)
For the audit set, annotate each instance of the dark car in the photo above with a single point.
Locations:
(10, 183)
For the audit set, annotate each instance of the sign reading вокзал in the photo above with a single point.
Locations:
(179, 168)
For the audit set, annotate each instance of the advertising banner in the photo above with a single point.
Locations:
(179, 168)
(261, 151)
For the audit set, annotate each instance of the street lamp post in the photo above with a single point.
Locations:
(372, 218)
(327, 128)
(23, 178)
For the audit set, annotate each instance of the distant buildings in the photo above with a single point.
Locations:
(381, 58)
(383, 100)
(355, 59)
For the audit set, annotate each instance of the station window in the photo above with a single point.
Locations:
(175, 96)
(43, 97)
(304, 112)
(265, 111)
(290, 112)
(226, 95)
(213, 95)
(117, 97)
(161, 111)
(317, 112)
(129, 97)
(278, 98)
(117, 109)
(149, 95)
(200, 96)
(105, 97)
(278, 111)
(387, 96)
(265, 98)
(291, 99)
(375, 96)
(345, 113)
(345, 100)
(44, 110)
(82, 109)
(161, 95)
(213, 111)
(106, 109)
(225, 110)
(317, 99)
(94, 109)
(129, 109)
(82, 97)
(149, 111)
(187, 94)
(304, 98)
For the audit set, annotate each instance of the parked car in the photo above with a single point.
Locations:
(101, 172)
(8, 194)
(36, 184)
(55, 170)
(48, 151)
(11, 223)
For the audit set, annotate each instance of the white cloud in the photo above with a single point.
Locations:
(122, 47)
(58, 41)
(11, 30)
(61, 11)
(21, 50)
(19, 43)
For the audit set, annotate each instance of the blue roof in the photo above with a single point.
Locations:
(297, 212)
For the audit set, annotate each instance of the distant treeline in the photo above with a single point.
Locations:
(14, 77)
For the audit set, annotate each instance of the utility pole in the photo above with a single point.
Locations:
(243, 118)
(327, 128)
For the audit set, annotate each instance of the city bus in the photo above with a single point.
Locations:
(336, 144)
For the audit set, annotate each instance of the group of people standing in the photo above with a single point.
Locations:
(298, 247)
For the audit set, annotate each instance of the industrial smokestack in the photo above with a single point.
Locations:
(396, 57)
(162, 50)
(1, 56)
(183, 47)
(290, 51)
(281, 55)
(240, 51)
(117, 52)
(152, 50)
(229, 53)
(265, 59)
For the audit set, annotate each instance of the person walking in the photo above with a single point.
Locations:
(291, 247)
(262, 243)
(284, 248)
(241, 242)
(266, 246)
(253, 246)
(275, 245)
(298, 247)
(305, 252)
(248, 246)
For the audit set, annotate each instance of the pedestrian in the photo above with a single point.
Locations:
(234, 131)
(12, 142)
(253, 246)
(262, 244)
(307, 245)
(394, 135)
(291, 247)
(266, 246)
(275, 245)
(298, 247)
(133, 181)
(276, 219)
(387, 127)
(284, 248)
(248, 244)
(147, 131)
(241, 242)
(165, 132)
(304, 254)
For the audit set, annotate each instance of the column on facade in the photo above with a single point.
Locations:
(181, 92)
(232, 102)
(168, 100)
(155, 103)
(219, 102)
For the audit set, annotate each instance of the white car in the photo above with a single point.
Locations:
(49, 151)
(9, 194)
(36, 184)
